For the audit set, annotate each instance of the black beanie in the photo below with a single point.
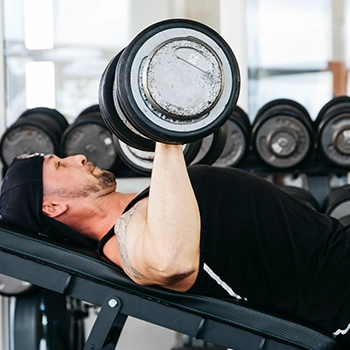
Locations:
(21, 201)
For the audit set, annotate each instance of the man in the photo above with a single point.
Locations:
(206, 230)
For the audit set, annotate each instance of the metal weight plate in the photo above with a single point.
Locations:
(337, 204)
(282, 141)
(345, 220)
(114, 119)
(284, 104)
(177, 81)
(25, 139)
(335, 105)
(235, 146)
(334, 139)
(40, 321)
(191, 150)
(10, 286)
(26, 322)
(237, 141)
(36, 130)
(302, 195)
(138, 160)
(282, 133)
(142, 161)
(189, 59)
(211, 147)
(90, 110)
(333, 130)
(206, 144)
(54, 114)
(90, 136)
(341, 210)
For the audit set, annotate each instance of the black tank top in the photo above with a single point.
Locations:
(253, 247)
(110, 233)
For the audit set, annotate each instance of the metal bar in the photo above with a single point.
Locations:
(100, 333)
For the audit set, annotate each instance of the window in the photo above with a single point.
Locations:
(56, 50)
(290, 48)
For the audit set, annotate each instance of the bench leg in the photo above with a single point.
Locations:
(107, 327)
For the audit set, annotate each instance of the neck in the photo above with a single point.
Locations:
(94, 221)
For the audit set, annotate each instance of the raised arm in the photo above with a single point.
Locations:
(161, 241)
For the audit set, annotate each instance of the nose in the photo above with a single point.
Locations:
(77, 160)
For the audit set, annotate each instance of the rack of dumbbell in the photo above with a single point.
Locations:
(281, 143)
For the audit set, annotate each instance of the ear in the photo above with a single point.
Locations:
(54, 209)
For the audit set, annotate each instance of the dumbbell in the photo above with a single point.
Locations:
(333, 131)
(36, 130)
(142, 161)
(41, 318)
(237, 139)
(203, 151)
(90, 136)
(176, 82)
(10, 286)
(302, 195)
(337, 204)
(211, 147)
(282, 133)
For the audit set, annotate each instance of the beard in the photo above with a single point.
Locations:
(106, 180)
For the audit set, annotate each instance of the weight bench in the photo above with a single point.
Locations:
(80, 273)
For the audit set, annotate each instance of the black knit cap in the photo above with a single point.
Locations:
(21, 201)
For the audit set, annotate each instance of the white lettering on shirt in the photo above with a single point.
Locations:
(342, 331)
(220, 282)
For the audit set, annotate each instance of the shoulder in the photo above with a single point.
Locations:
(207, 174)
(212, 172)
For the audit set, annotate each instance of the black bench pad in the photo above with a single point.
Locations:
(81, 273)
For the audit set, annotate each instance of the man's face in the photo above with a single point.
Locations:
(74, 177)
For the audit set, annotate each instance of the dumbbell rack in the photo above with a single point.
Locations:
(315, 174)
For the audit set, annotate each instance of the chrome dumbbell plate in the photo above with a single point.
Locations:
(333, 130)
(237, 139)
(36, 130)
(282, 133)
(194, 79)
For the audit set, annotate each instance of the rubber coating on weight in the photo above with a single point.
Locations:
(109, 114)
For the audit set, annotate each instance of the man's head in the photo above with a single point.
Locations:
(29, 177)
(22, 193)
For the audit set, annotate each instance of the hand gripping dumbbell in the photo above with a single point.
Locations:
(142, 161)
(176, 82)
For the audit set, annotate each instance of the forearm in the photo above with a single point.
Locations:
(173, 220)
